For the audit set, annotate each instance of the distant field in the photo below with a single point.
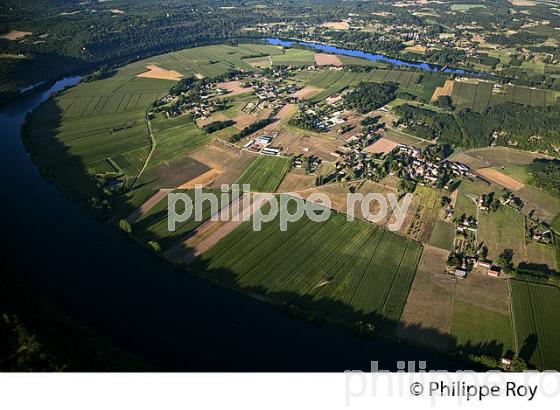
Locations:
(479, 96)
(466, 7)
(99, 127)
(294, 57)
(265, 173)
(334, 81)
(340, 270)
(536, 312)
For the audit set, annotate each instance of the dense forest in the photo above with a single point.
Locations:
(545, 173)
(528, 128)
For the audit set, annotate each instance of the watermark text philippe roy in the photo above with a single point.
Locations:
(239, 204)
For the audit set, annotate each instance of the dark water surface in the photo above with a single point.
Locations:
(98, 276)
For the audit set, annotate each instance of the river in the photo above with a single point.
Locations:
(98, 276)
(370, 56)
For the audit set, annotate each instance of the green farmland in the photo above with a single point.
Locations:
(153, 225)
(503, 229)
(481, 331)
(265, 173)
(443, 235)
(479, 96)
(99, 127)
(368, 280)
(334, 81)
(536, 312)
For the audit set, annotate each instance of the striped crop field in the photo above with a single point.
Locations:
(265, 173)
(536, 313)
(343, 271)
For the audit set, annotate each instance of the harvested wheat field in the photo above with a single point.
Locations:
(296, 181)
(231, 160)
(327, 59)
(160, 73)
(428, 313)
(234, 88)
(336, 25)
(446, 90)
(15, 35)
(285, 113)
(382, 145)
(500, 179)
(306, 92)
(202, 180)
(522, 3)
(242, 120)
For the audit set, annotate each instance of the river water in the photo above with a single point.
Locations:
(369, 56)
(99, 277)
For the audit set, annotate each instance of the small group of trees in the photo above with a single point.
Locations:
(216, 126)
(370, 96)
(250, 129)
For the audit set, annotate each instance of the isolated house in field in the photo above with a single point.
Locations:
(494, 272)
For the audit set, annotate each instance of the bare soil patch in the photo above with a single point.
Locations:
(500, 179)
(235, 88)
(322, 59)
(336, 25)
(242, 120)
(160, 73)
(204, 179)
(416, 49)
(231, 160)
(522, 3)
(15, 35)
(447, 89)
(285, 113)
(296, 143)
(306, 92)
(428, 313)
(485, 291)
(296, 180)
(470, 161)
(382, 145)
(175, 173)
